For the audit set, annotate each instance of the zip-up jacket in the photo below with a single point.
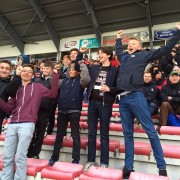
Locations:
(71, 91)
(25, 106)
(152, 93)
(109, 97)
(172, 90)
(130, 76)
(46, 103)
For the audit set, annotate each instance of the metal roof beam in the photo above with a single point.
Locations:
(11, 31)
(47, 23)
(93, 19)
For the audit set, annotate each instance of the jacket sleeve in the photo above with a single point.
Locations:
(13, 86)
(157, 53)
(84, 75)
(119, 49)
(176, 99)
(164, 94)
(51, 93)
(9, 106)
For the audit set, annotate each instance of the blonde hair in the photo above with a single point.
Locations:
(135, 38)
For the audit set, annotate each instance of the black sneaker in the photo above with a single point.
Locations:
(126, 173)
(162, 172)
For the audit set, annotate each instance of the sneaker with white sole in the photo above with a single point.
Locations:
(88, 165)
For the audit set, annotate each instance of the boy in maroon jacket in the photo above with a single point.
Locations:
(24, 110)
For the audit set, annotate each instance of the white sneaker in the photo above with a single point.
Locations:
(88, 165)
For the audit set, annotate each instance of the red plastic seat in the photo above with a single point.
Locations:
(2, 137)
(142, 176)
(67, 142)
(171, 151)
(113, 145)
(115, 105)
(85, 105)
(84, 113)
(140, 148)
(170, 130)
(116, 127)
(62, 171)
(98, 173)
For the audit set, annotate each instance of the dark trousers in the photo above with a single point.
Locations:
(1, 122)
(62, 123)
(51, 120)
(166, 109)
(97, 110)
(38, 136)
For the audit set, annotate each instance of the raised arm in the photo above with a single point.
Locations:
(51, 93)
(118, 45)
(9, 106)
(157, 53)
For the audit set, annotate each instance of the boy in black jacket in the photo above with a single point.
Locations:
(132, 101)
(70, 106)
(44, 112)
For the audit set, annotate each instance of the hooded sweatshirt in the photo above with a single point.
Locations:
(25, 58)
(25, 106)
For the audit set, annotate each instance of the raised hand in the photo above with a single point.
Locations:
(83, 49)
(18, 70)
(178, 25)
(119, 34)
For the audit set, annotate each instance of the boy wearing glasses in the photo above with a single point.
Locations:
(24, 110)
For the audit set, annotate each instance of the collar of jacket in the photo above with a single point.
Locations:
(8, 79)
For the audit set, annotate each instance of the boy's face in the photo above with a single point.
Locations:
(158, 76)
(73, 72)
(20, 61)
(174, 79)
(73, 55)
(5, 70)
(27, 74)
(46, 71)
(66, 61)
(57, 66)
(103, 57)
(133, 45)
(147, 77)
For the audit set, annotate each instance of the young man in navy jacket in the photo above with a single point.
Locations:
(132, 101)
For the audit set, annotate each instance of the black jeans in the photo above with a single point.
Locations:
(97, 110)
(62, 123)
(38, 136)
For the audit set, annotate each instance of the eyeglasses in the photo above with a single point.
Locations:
(26, 71)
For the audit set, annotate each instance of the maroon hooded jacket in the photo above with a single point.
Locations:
(25, 106)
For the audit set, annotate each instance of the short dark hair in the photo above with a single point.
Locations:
(48, 63)
(30, 66)
(74, 49)
(7, 62)
(107, 51)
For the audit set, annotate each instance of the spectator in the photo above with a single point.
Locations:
(132, 101)
(65, 64)
(7, 87)
(177, 69)
(158, 79)
(23, 59)
(152, 94)
(20, 130)
(114, 61)
(101, 94)
(170, 95)
(45, 110)
(70, 106)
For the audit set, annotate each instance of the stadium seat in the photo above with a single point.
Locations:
(142, 176)
(171, 151)
(116, 127)
(140, 148)
(98, 173)
(2, 137)
(170, 130)
(62, 171)
(113, 145)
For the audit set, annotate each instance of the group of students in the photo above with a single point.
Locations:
(33, 99)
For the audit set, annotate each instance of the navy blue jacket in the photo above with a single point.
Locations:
(70, 95)
(109, 97)
(152, 93)
(130, 76)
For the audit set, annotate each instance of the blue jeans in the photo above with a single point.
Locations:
(17, 140)
(133, 105)
(153, 108)
(97, 110)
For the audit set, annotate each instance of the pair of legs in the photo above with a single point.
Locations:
(133, 105)
(62, 123)
(38, 136)
(97, 110)
(166, 109)
(18, 138)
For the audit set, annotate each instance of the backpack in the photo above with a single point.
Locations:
(173, 120)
